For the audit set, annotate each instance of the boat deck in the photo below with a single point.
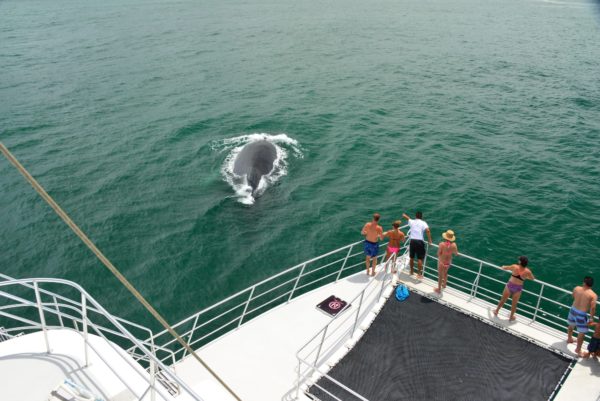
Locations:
(258, 360)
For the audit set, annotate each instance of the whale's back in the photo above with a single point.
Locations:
(255, 160)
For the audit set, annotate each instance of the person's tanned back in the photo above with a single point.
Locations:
(584, 300)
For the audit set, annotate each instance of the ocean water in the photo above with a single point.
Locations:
(483, 114)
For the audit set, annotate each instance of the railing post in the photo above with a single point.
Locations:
(58, 312)
(362, 294)
(425, 259)
(384, 274)
(476, 282)
(246, 307)
(320, 346)
(152, 380)
(344, 264)
(537, 307)
(85, 328)
(41, 312)
(296, 283)
(153, 370)
(298, 382)
(190, 336)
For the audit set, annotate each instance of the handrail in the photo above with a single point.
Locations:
(45, 308)
(500, 269)
(542, 283)
(296, 267)
(251, 294)
(75, 304)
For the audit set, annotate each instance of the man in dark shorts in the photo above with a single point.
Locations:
(594, 345)
(417, 243)
(373, 233)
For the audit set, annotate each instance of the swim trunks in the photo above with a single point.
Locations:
(371, 248)
(514, 288)
(392, 250)
(579, 319)
(594, 345)
(416, 247)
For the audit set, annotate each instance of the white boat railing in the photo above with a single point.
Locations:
(540, 302)
(545, 305)
(208, 324)
(26, 307)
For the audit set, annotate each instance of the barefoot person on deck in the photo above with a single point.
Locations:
(593, 349)
(396, 239)
(514, 287)
(446, 249)
(417, 243)
(584, 300)
(373, 233)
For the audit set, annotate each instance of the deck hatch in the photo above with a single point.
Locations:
(333, 305)
(422, 350)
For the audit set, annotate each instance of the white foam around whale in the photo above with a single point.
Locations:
(284, 145)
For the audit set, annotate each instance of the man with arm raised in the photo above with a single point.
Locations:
(417, 243)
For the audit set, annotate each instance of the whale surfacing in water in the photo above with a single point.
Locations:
(255, 160)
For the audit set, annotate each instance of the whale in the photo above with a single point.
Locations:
(254, 161)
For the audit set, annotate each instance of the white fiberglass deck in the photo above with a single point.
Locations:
(258, 360)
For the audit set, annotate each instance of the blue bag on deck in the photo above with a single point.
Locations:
(402, 292)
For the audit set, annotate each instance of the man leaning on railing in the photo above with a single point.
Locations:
(417, 242)
(373, 233)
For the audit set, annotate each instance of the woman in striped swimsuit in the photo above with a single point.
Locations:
(514, 287)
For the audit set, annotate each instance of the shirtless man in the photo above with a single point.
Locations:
(446, 249)
(417, 243)
(584, 299)
(396, 239)
(373, 233)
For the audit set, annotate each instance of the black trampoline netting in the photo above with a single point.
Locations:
(421, 350)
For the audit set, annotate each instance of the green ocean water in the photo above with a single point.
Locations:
(483, 114)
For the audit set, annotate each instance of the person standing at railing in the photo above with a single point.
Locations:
(417, 243)
(446, 249)
(584, 300)
(373, 233)
(594, 345)
(396, 239)
(514, 287)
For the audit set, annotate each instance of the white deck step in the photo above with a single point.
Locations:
(30, 373)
